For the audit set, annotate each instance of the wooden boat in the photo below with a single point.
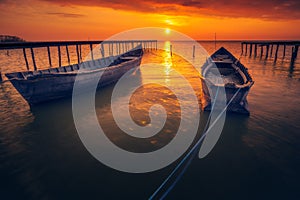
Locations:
(222, 69)
(55, 83)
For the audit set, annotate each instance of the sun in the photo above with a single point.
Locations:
(167, 31)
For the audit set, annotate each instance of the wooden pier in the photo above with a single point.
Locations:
(268, 46)
(113, 47)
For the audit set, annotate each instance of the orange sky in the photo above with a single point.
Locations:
(200, 19)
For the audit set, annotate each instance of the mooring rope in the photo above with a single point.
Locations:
(191, 152)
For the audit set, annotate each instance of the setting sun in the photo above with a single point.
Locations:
(167, 31)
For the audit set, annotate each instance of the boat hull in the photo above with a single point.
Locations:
(223, 70)
(56, 86)
(237, 97)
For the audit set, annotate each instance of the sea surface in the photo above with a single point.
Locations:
(256, 157)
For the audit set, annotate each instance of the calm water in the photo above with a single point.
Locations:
(42, 157)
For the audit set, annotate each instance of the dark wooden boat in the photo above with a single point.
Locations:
(55, 83)
(234, 78)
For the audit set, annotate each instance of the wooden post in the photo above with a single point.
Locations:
(246, 49)
(267, 51)
(108, 48)
(255, 50)
(261, 51)
(250, 54)
(171, 50)
(242, 47)
(271, 51)
(296, 50)
(102, 50)
(68, 55)
(117, 49)
(276, 53)
(91, 48)
(25, 57)
(0, 77)
(49, 56)
(80, 55)
(294, 54)
(77, 52)
(59, 56)
(33, 59)
(194, 51)
(119, 44)
(284, 46)
(156, 45)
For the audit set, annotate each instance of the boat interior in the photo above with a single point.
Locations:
(230, 72)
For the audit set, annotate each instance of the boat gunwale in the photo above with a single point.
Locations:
(235, 64)
(39, 75)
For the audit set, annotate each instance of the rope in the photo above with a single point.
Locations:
(190, 152)
(181, 162)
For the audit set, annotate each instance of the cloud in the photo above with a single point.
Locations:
(267, 9)
(62, 14)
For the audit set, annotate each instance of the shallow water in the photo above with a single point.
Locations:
(258, 156)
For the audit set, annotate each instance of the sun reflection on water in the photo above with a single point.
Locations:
(168, 63)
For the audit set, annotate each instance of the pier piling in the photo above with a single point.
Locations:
(68, 56)
(250, 53)
(271, 44)
(242, 47)
(59, 56)
(271, 51)
(49, 56)
(267, 51)
(77, 52)
(194, 51)
(294, 54)
(80, 54)
(33, 59)
(276, 52)
(91, 49)
(284, 46)
(25, 58)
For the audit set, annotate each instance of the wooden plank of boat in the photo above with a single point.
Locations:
(55, 83)
(224, 70)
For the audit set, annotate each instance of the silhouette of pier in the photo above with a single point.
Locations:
(268, 47)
